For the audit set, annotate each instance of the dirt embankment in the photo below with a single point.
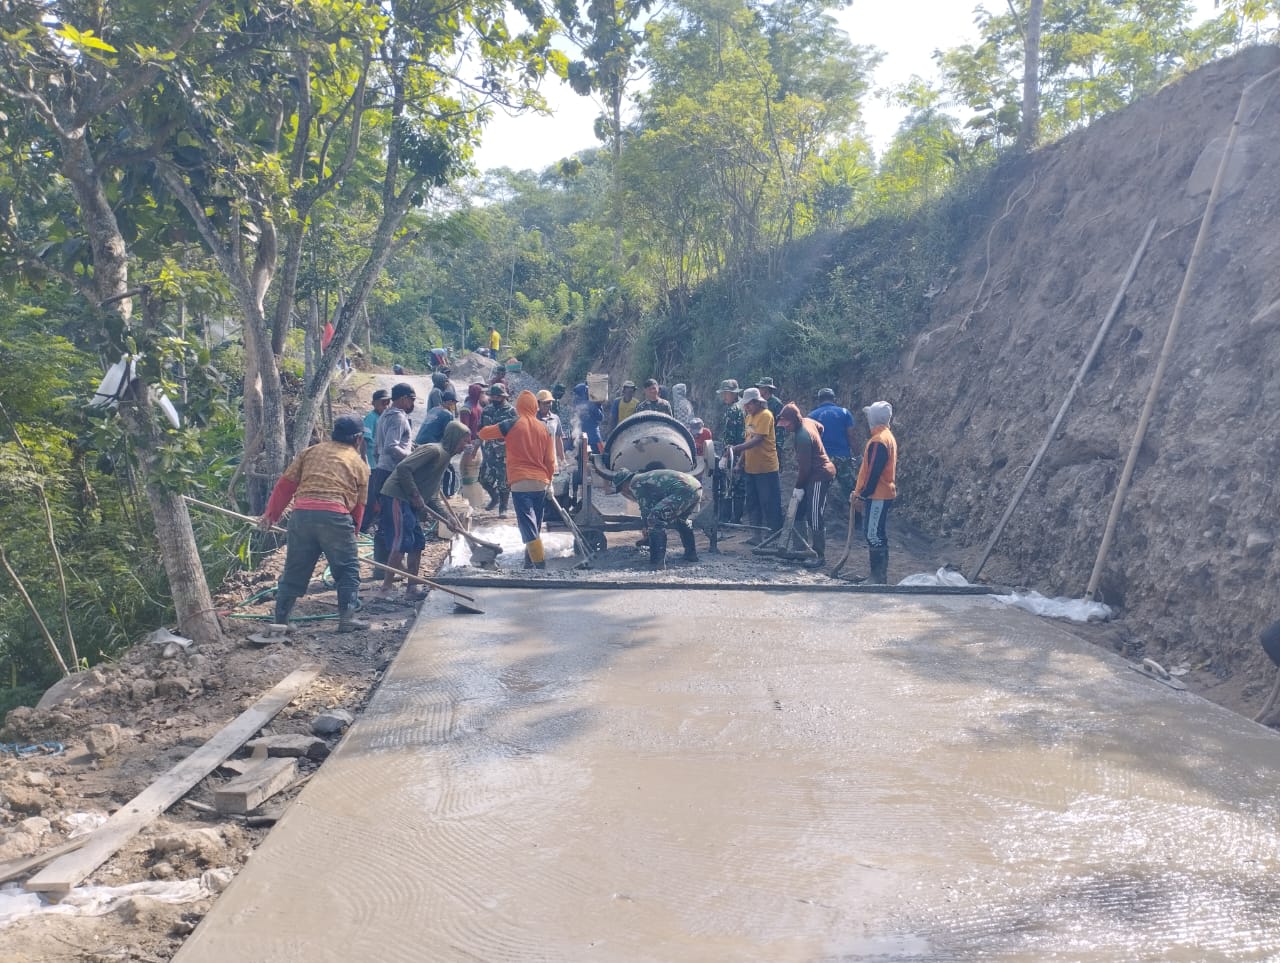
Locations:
(1194, 558)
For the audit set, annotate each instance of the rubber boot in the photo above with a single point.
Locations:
(503, 499)
(347, 621)
(689, 542)
(657, 550)
(879, 564)
(536, 553)
(284, 607)
(739, 506)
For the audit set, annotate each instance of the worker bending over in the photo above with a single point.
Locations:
(414, 486)
(666, 498)
(328, 484)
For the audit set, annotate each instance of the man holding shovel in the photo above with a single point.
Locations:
(328, 484)
(814, 474)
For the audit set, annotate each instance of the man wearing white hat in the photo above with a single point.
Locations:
(760, 462)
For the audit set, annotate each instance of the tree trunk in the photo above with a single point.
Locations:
(177, 543)
(197, 619)
(381, 247)
(1030, 131)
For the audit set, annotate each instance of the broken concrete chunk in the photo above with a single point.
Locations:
(177, 687)
(102, 740)
(24, 799)
(37, 779)
(332, 722)
(1257, 543)
(205, 844)
(79, 685)
(311, 747)
(36, 826)
(143, 690)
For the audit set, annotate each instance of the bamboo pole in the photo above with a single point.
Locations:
(1206, 223)
(1076, 385)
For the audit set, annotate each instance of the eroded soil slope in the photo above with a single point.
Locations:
(1194, 563)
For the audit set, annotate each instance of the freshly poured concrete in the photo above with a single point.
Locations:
(774, 777)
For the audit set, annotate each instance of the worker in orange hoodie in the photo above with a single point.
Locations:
(531, 465)
(877, 487)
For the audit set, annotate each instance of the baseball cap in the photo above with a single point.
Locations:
(628, 383)
(347, 428)
(402, 390)
(382, 394)
(826, 394)
(545, 395)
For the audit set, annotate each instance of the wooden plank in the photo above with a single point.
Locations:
(58, 878)
(17, 868)
(248, 792)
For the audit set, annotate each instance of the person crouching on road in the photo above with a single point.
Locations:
(666, 498)
(328, 484)
(877, 487)
(530, 466)
(814, 475)
(415, 485)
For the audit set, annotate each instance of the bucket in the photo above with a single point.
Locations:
(597, 387)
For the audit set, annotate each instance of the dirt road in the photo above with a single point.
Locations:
(658, 775)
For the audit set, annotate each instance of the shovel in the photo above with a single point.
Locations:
(848, 543)
(465, 603)
(483, 553)
(783, 535)
(573, 527)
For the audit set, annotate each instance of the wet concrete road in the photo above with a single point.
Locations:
(749, 776)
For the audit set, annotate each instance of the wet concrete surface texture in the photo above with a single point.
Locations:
(762, 776)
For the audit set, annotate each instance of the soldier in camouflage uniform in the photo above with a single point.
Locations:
(493, 470)
(653, 400)
(666, 498)
(733, 431)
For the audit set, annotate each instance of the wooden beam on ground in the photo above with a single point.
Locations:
(59, 877)
(248, 792)
(17, 868)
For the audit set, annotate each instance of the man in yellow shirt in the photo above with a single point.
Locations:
(495, 342)
(760, 463)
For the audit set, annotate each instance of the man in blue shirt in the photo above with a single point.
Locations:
(837, 437)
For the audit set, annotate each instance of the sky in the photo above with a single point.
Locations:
(907, 32)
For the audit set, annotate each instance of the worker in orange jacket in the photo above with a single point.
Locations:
(531, 465)
(876, 487)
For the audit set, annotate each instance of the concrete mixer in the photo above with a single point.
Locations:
(643, 442)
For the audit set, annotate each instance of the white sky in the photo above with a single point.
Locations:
(906, 31)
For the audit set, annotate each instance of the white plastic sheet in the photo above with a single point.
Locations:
(1075, 610)
(944, 576)
(16, 903)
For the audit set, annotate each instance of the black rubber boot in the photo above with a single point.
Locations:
(739, 507)
(347, 621)
(657, 550)
(879, 567)
(503, 499)
(689, 542)
(284, 607)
